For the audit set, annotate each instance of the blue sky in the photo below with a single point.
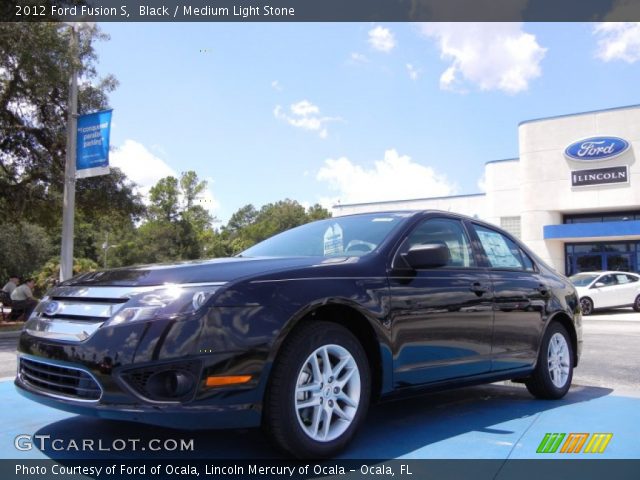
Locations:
(349, 112)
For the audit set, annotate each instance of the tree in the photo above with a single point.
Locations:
(49, 274)
(25, 247)
(317, 212)
(176, 227)
(36, 63)
(244, 217)
(247, 226)
(164, 198)
(191, 188)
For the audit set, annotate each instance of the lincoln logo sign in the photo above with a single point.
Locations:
(596, 148)
(599, 176)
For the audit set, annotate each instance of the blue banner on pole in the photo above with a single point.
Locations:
(93, 144)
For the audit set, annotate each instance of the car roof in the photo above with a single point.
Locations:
(414, 212)
(606, 272)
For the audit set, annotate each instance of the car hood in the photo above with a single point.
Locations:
(202, 271)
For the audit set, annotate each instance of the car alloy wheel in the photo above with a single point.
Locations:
(558, 360)
(551, 379)
(636, 304)
(586, 304)
(319, 390)
(327, 393)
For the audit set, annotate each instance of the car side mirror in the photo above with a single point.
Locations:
(428, 255)
(599, 285)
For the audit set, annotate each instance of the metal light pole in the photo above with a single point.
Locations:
(68, 205)
(106, 247)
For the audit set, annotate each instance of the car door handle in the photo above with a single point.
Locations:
(479, 288)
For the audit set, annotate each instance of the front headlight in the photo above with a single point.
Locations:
(169, 301)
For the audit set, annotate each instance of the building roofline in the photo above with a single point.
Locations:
(611, 109)
(502, 160)
(386, 202)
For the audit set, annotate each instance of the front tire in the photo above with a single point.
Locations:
(552, 376)
(319, 391)
(586, 305)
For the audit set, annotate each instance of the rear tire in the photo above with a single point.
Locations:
(586, 305)
(636, 304)
(552, 376)
(319, 391)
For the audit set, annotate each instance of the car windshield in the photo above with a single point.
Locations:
(350, 235)
(583, 279)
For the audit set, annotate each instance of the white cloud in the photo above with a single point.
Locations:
(140, 165)
(395, 177)
(382, 39)
(207, 200)
(276, 86)
(618, 41)
(492, 56)
(413, 72)
(356, 57)
(145, 169)
(304, 108)
(305, 115)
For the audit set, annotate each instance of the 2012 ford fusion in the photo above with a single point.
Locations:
(301, 332)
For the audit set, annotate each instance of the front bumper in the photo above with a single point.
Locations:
(113, 364)
(182, 416)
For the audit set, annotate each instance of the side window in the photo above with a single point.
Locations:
(447, 231)
(608, 280)
(631, 279)
(621, 278)
(501, 251)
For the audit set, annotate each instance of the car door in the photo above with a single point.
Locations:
(625, 289)
(634, 288)
(604, 291)
(520, 295)
(441, 318)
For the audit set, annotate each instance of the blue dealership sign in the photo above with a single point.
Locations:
(93, 144)
(596, 148)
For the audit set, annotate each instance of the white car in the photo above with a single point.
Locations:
(607, 290)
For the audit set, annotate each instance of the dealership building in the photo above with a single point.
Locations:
(573, 195)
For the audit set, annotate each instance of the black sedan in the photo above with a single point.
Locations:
(302, 331)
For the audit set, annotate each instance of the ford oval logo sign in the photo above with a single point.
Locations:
(596, 148)
(52, 308)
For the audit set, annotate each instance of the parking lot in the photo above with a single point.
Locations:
(498, 421)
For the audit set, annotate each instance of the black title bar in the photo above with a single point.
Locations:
(199, 469)
(319, 10)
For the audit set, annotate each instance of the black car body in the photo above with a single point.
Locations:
(429, 300)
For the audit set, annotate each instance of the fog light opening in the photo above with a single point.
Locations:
(170, 384)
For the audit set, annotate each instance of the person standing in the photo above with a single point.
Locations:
(11, 285)
(22, 299)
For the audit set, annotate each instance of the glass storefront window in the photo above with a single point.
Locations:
(589, 257)
(602, 217)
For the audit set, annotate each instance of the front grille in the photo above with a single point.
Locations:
(59, 381)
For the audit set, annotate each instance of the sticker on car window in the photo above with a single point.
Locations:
(497, 250)
(333, 240)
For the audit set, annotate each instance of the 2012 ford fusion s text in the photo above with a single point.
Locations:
(301, 332)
